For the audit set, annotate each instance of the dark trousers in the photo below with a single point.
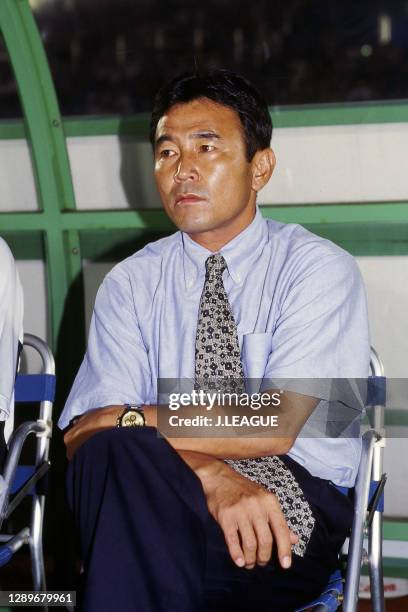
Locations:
(149, 543)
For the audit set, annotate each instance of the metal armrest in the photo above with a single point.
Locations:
(16, 445)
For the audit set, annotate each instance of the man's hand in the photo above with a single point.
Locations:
(250, 516)
(88, 424)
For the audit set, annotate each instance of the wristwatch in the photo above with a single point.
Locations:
(132, 416)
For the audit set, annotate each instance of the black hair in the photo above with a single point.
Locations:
(224, 87)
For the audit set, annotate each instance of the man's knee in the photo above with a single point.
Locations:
(138, 455)
(115, 439)
(140, 450)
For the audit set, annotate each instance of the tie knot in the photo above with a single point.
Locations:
(215, 265)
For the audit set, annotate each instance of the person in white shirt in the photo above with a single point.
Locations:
(11, 339)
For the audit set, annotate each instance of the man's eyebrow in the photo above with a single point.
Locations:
(163, 138)
(209, 134)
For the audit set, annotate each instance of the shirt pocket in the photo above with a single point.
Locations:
(256, 349)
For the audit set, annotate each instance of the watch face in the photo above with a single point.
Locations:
(133, 418)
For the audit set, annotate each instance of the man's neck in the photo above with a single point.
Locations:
(215, 240)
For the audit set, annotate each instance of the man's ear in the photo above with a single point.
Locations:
(263, 164)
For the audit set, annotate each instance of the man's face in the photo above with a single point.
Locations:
(202, 174)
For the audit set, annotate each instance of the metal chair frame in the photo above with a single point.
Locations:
(42, 428)
(367, 520)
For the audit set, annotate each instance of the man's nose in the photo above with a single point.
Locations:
(186, 169)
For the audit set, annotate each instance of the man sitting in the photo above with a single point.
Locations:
(241, 523)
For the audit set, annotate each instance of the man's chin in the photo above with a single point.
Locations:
(194, 226)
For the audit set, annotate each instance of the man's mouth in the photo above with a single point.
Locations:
(188, 198)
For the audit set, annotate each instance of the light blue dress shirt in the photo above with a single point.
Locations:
(298, 301)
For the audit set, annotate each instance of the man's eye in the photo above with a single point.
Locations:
(166, 153)
(207, 148)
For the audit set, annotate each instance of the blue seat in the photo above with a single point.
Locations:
(18, 481)
(331, 597)
(368, 509)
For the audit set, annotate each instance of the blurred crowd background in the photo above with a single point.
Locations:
(110, 56)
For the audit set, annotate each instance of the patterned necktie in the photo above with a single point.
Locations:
(218, 367)
(217, 355)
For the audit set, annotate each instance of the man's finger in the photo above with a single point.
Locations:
(234, 546)
(264, 538)
(281, 533)
(248, 541)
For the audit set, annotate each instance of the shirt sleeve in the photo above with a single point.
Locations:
(11, 327)
(115, 369)
(322, 331)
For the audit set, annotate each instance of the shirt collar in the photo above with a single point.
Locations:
(240, 253)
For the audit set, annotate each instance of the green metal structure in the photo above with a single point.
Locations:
(47, 141)
(380, 228)
(58, 232)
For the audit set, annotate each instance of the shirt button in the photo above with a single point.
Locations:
(238, 278)
(189, 284)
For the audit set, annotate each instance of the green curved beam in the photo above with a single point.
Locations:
(47, 141)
